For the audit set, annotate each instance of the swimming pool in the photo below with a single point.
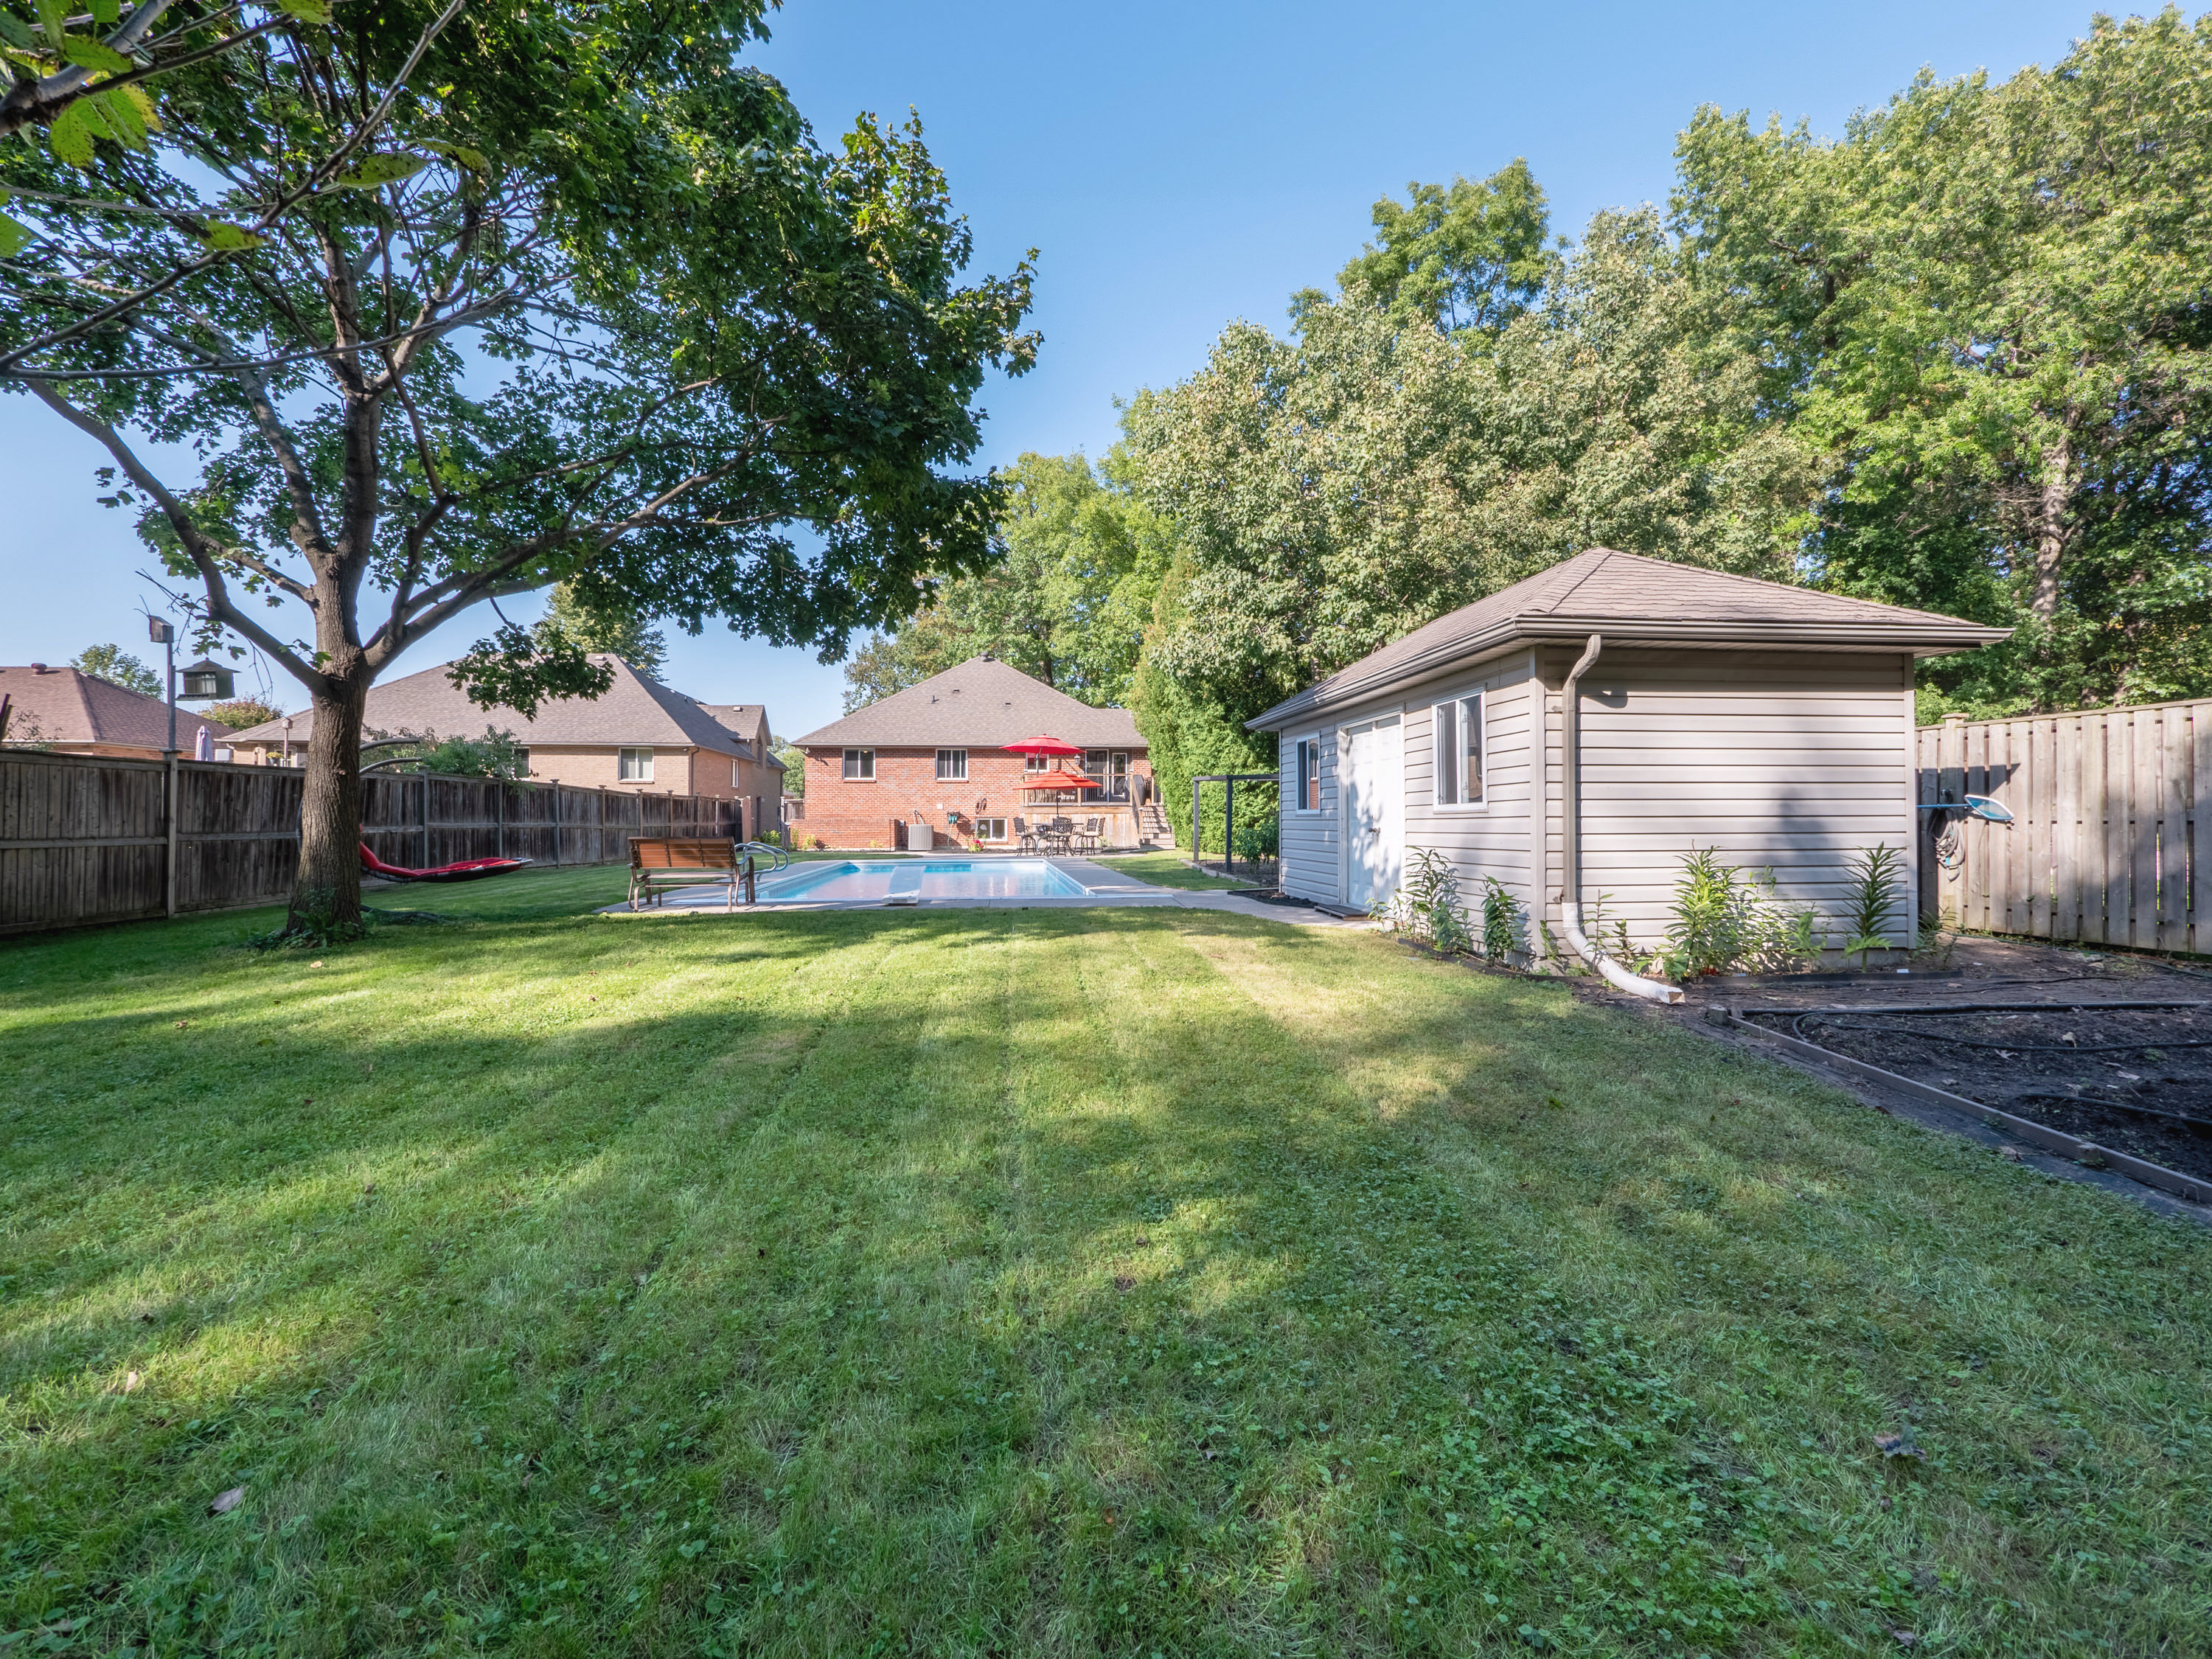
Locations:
(922, 879)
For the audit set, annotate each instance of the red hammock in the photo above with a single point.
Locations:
(466, 870)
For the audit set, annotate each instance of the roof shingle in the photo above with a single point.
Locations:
(983, 703)
(65, 705)
(1631, 599)
(634, 711)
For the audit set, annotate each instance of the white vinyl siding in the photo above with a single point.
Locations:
(1311, 848)
(1787, 761)
(1490, 837)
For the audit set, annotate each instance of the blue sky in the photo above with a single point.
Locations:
(1177, 165)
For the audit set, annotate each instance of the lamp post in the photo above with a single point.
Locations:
(164, 634)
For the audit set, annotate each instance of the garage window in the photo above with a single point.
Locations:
(1458, 734)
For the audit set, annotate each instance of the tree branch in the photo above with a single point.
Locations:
(326, 169)
(204, 555)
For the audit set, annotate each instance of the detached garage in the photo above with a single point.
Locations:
(1771, 723)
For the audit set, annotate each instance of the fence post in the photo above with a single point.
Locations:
(1194, 821)
(169, 832)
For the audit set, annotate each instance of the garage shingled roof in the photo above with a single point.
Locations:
(1635, 600)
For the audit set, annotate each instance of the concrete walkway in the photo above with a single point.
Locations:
(1107, 888)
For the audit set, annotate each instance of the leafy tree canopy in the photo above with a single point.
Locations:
(1338, 488)
(1986, 308)
(1067, 600)
(77, 78)
(714, 368)
(497, 754)
(609, 626)
(240, 713)
(116, 665)
(1469, 255)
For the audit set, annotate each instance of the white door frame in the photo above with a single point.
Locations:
(1351, 782)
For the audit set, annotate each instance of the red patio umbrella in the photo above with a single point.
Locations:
(1046, 745)
(1062, 778)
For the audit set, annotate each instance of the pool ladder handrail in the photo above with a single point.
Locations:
(780, 857)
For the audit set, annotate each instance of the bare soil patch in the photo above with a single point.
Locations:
(2137, 1080)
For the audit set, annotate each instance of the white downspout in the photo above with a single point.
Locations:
(1571, 857)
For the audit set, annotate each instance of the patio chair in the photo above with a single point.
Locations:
(1063, 832)
(1026, 837)
(1094, 832)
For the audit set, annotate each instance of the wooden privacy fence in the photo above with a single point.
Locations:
(2106, 844)
(90, 838)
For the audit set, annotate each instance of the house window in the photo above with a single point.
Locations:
(861, 765)
(636, 766)
(951, 764)
(1036, 762)
(1309, 796)
(1458, 742)
(522, 762)
(990, 828)
(1094, 764)
(733, 774)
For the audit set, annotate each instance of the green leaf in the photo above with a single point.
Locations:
(106, 14)
(141, 105)
(15, 236)
(385, 167)
(50, 15)
(71, 135)
(88, 53)
(308, 11)
(473, 160)
(226, 237)
(123, 115)
(12, 30)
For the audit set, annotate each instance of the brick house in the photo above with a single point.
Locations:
(927, 765)
(638, 736)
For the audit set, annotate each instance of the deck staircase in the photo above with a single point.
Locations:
(1152, 826)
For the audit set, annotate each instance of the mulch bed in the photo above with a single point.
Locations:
(2127, 1079)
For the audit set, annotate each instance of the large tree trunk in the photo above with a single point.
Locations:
(2052, 530)
(329, 886)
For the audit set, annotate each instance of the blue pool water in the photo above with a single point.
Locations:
(922, 878)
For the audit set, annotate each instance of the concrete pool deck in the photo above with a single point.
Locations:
(1106, 889)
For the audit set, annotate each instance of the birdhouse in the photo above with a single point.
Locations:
(206, 682)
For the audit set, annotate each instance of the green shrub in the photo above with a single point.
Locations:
(1501, 919)
(1426, 905)
(1724, 919)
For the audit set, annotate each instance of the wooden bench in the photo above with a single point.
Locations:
(657, 866)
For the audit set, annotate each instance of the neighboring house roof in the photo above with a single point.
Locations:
(1634, 600)
(65, 705)
(748, 719)
(982, 704)
(633, 711)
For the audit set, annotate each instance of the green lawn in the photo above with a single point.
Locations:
(1167, 870)
(1031, 1282)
